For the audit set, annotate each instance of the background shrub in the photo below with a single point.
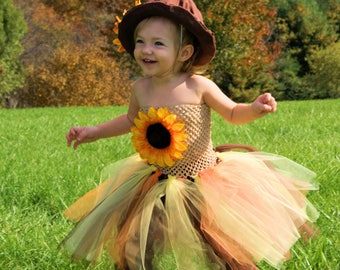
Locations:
(75, 76)
(324, 77)
(303, 27)
(12, 29)
(275, 46)
(245, 49)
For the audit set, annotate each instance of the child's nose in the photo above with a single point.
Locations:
(147, 49)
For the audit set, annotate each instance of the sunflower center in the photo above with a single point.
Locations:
(158, 136)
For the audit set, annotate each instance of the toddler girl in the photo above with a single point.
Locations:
(177, 200)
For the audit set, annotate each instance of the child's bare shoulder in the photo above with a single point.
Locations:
(202, 83)
(141, 82)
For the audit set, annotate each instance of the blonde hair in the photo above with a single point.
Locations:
(186, 38)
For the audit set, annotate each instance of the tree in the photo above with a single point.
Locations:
(332, 10)
(65, 59)
(245, 47)
(12, 29)
(76, 76)
(48, 30)
(304, 28)
(324, 77)
(113, 9)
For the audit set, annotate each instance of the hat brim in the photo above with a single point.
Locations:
(179, 15)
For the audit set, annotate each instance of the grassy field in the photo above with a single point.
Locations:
(40, 176)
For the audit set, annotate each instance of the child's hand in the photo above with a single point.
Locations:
(264, 104)
(81, 135)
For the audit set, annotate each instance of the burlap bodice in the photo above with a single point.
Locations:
(199, 154)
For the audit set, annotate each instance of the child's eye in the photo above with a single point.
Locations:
(158, 43)
(139, 41)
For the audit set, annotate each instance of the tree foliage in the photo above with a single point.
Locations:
(245, 49)
(287, 47)
(304, 28)
(324, 77)
(75, 76)
(12, 29)
(64, 57)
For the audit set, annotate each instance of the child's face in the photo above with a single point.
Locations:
(156, 46)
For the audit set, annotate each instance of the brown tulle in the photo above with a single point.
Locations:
(117, 249)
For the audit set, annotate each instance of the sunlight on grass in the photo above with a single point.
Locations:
(40, 176)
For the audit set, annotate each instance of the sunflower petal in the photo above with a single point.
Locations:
(170, 120)
(177, 126)
(152, 113)
(177, 156)
(168, 160)
(162, 113)
(181, 146)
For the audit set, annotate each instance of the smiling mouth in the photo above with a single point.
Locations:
(148, 61)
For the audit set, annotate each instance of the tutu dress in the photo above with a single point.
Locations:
(189, 205)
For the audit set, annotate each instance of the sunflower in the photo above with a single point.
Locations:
(158, 137)
(116, 41)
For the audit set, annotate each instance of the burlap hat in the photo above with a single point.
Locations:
(184, 12)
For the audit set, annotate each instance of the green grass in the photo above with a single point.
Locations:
(40, 176)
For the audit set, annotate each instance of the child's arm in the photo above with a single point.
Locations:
(245, 113)
(115, 127)
(236, 113)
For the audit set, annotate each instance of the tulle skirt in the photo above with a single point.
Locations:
(248, 208)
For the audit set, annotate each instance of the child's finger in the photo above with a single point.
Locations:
(75, 145)
(69, 139)
(71, 136)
